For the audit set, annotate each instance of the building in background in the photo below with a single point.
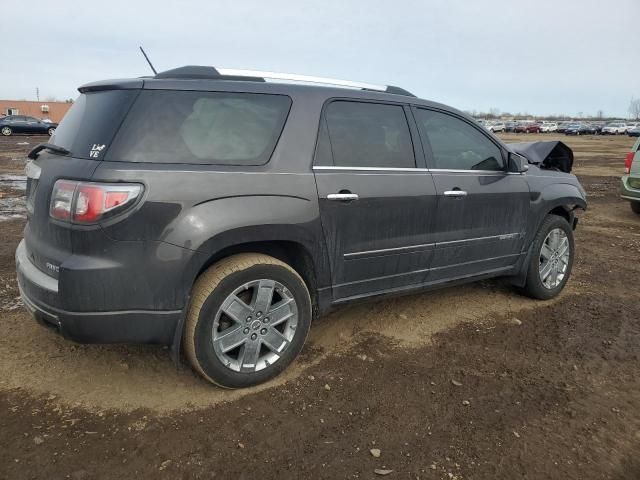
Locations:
(53, 111)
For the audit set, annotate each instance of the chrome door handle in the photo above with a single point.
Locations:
(455, 193)
(342, 197)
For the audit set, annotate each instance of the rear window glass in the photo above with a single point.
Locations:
(215, 128)
(90, 124)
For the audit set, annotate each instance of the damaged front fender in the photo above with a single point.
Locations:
(552, 155)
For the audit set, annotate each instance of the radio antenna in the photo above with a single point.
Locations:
(148, 61)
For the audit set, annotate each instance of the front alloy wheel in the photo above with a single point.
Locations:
(554, 258)
(551, 259)
(6, 131)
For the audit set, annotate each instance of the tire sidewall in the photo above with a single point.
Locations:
(534, 284)
(206, 357)
(635, 207)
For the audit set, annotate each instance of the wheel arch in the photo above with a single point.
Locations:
(561, 206)
(293, 253)
(300, 255)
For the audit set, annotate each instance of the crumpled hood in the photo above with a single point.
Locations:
(552, 154)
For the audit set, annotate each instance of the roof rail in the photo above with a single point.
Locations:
(257, 75)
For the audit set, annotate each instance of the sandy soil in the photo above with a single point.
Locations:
(550, 389)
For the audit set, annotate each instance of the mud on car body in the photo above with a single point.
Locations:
(218, 213)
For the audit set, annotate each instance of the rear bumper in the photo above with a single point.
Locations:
(39, 291)
(627, 191)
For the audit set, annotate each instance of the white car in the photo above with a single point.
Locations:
(496, 127)
(548, 127)
(631, 126)
(614, 128)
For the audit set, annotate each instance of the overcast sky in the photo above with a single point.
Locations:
(540, 57)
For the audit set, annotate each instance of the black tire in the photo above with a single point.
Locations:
(635, 206)
(6, 131)
(534, 286)
(212, 288)
(51, 131)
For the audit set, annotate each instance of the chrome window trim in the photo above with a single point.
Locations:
(405, 169)
(365, 169)
(453, 170)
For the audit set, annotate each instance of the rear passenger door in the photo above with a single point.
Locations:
(376, 198)
(482, 208)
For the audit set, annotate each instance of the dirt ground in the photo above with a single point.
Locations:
(468, 383)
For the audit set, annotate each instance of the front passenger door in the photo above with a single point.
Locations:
(482, 208)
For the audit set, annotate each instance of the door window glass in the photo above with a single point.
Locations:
(456, 145)
(369, 135)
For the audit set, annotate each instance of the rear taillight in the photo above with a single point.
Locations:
(628, 161)
(86, 203)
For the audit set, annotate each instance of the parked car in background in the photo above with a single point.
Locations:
(176, 210)
(634, 132)
(597, 128)
(630, 182)
(510, 126)
(22, 124)
(632, 125)
(527, 128)
(548, 127)
(614, 128)
(562, 127)
(496, 127)
(573, 129)
(581, 129)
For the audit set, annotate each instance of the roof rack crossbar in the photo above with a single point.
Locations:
(292, 77)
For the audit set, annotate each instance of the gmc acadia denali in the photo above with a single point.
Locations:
(218, 212)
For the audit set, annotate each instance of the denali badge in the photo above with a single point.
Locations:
(52, 267)
(95, 150)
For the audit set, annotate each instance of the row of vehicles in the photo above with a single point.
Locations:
(568, 128)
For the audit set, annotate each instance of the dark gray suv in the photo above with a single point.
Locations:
(218, 213)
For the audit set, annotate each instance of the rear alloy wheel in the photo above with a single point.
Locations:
(248, 320)
(635, 206)
(551, 259)
(6, 131)
(51, 131)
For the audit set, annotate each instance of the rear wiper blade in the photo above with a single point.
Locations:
(33, 154)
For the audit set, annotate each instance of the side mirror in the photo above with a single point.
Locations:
(517, 163)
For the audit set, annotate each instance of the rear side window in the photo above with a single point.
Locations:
(369, 135)
(214, 128)
(456, 145)
(90, 124)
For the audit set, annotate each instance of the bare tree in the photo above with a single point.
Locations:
(634, 108)
(600, 115)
